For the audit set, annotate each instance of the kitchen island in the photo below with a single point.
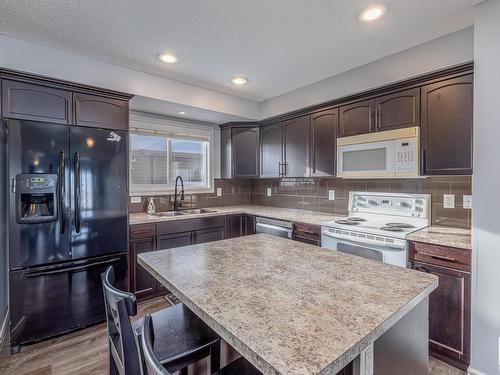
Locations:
(292, 308)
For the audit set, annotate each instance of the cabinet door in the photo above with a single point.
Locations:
(209, 235)
(398, 110)
(143, 285)
(449, 312)
(250, 225)
(245, 150)
(170, 241)
(234, 226)
(270, 151)
(33, 102)
(324, 127)
(100, 112)
(296, 134)
(357, 118)
(447, 110)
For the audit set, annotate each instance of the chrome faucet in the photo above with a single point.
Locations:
(178, 203)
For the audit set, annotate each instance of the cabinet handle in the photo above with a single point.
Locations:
(284, 165)
(423, 160)
(279, 169)
(439, 257)
(421, 268)
(306, 231)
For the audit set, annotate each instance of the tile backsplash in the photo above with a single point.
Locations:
(233, 192)
(312, 194)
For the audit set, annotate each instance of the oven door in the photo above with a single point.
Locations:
(389, 255)
(366, 160)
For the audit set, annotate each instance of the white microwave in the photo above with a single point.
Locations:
(386, 154)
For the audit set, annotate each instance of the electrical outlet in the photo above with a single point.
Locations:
(331, 195)
(467, 201)
(449, 200)
(135, 199)
(219, 192)
(269, 192)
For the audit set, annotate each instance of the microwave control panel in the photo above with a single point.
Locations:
(406, 155)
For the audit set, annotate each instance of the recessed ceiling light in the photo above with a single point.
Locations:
(239, 81)
(168, 57)
(372, 12)
(181, 113)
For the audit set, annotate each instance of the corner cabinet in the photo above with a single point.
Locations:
(324, 126)
(449, 303)
(239, 150)
(271, 151)
(446, 142)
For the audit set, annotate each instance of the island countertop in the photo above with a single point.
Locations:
(288, 307)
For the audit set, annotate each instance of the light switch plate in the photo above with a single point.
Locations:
(135, 199)
(269, 192)
(219, 192)
(331, 195)
(467, 201)
(449, 200)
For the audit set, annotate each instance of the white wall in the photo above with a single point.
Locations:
(24, 56)
(486, 186)
(446, 51)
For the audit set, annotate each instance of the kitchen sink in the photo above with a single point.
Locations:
(197, 211)
(169, 213)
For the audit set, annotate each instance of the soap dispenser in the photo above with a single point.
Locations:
(151, 206)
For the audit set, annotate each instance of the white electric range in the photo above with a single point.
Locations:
(377, 225)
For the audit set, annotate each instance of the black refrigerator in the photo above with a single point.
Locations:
(67, 223)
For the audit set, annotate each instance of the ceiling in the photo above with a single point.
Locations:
(280, 45)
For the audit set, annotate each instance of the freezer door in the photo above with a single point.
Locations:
(50, 301)
(99, 192)
(37, 147)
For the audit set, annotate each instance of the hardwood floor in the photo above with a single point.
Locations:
(86, 353)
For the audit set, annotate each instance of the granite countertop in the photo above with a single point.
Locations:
(288, 307)
(302, 216)
(444, 236)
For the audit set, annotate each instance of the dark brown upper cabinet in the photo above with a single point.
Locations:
(446, 141)
(28, 101)
(324, 127)
(398, 110)
(100, 112)
(271, 151)
(357, 118)
(296, 147)
(240, 151)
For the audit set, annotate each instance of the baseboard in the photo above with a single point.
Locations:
(471, 371)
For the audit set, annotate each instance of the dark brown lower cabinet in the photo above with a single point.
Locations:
(235, 225)
(169, 241)
(209, 235)
(449, 314)
(250, 225)
(307, 233)
(142, 284)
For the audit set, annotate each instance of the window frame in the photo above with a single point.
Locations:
(152, 125)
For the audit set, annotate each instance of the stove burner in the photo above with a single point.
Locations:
(346, 222)
(356, 219)
(392, 229)
(400, 225)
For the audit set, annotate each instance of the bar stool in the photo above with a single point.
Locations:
(182, 338)
(152, 366)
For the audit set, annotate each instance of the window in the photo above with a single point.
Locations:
(157, 157)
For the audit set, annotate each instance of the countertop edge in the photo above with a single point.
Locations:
(265, 367)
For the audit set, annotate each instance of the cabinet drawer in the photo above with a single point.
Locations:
(441, 255)
(142, 231)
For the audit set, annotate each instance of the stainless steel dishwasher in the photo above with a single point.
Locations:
(278, 228)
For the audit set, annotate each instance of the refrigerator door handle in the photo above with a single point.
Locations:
(62, 190)
(80, 267)
(77, 192)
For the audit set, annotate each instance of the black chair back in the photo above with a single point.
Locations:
(147, 337)
(124, 355)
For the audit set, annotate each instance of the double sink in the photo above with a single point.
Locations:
(195, 211)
